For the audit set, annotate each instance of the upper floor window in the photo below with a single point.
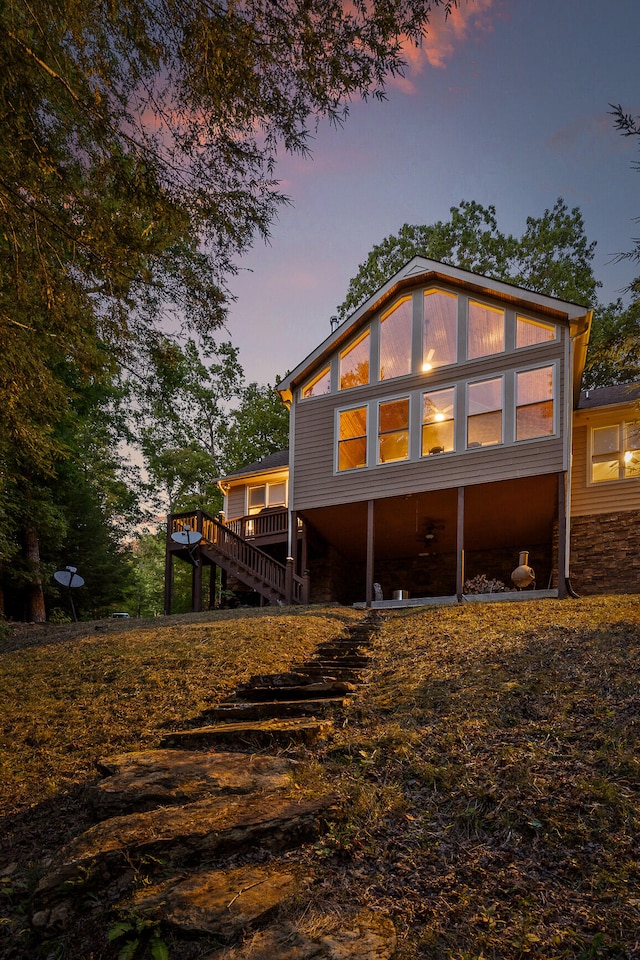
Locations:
(615, 452)
(534, 403)
(395, 340)
(485, 330)
(352, 438)
(484, 413)
(354, 363)
(318, 385)
(531, 332)
(438, 433)
(266, 495)
(393, 430)
(440, 329)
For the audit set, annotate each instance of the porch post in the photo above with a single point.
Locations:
(370, 552)
(563, 536)
(196, 586)
(288, 580)
(168, 571)
(460, 545)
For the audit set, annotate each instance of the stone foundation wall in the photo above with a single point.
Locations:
(605, 553)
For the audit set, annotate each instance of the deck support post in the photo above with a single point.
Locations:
(370, 552)
(196, 584)
(213, 582)
(563, 571)
(288, 580)
(460, 545)
(168, 572)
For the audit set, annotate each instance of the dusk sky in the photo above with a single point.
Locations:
(506, 104)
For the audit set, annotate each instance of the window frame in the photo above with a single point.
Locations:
(492, 309)
(364, 334)
(387, 315)
(535, 323)
(620, 426)
(453, 420)
(468, 385)
(338, 441)
(380, 402)
(426, 366)
(554, 398)
(311, 382)
(267, 505)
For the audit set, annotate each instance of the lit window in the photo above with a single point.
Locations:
(615, 452)
(395, 340)
(266, 495)
(534, 403)
(531, 332)
(438, 435)
(484, 420)
(354, 364)
(485, 331)
(320, 384)
(352, 439)
(393, 432)
(440, 331)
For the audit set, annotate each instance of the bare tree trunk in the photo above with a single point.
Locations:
(36, 608)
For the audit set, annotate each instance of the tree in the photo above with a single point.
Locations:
(257, 427)
(629, 126)
(136, 163)
(552, 256)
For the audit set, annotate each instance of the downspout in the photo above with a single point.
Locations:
(292, 534)
(583, 331)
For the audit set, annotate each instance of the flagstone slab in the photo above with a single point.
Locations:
(367, 936)
(188, 834)
(223, 903)
(251, 735)
(312, 690)
(152, 778)
(237, 712)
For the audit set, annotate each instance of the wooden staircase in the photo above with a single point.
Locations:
(221, 545)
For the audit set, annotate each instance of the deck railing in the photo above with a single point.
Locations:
(221, 537)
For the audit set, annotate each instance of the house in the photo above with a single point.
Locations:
(430, 443)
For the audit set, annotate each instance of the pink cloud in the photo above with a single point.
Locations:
(444, 35)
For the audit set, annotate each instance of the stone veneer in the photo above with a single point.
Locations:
(605, 553)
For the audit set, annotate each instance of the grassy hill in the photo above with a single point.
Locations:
(489, 769)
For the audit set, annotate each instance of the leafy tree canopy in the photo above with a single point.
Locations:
(553, 256)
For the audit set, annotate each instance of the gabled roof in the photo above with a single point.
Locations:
(424, 270)
(271, 461)
(608, 396)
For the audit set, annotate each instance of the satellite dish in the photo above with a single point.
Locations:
(70, 578)
(187, 538)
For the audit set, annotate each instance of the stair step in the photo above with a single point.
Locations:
(223, 903)
(310, 691)
(235, 712)
(187, 835)
(152, 778)
(251, 735)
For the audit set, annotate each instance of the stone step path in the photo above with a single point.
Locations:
(176, 815)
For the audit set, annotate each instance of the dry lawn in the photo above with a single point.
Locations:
(490, 768)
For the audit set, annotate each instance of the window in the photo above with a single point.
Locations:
(485, 331)
(393, 430)
(266, 495)
(395, 340)
(615, 452)
(438, 434)
(534, 403)
(440, 330)
(354, 363)
(531, 332)
(484, 419)
(318, 385)
(352, 438)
